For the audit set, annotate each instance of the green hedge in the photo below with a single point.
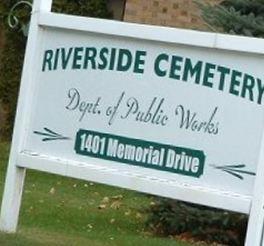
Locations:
(13, 52)
(168, 217)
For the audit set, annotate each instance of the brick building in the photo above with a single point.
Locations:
(174, 13)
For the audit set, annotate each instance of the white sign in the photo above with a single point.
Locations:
(171, 112)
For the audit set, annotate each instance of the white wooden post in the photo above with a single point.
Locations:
(256, 219)
(15, 175)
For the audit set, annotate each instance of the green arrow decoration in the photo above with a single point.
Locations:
(49, 135)
(236, 170)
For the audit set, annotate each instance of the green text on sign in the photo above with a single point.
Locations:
(142, 153)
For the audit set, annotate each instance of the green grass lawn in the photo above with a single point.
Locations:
(62, 211)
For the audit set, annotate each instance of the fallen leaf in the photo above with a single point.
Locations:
(102, 206)
(127, 213)
(116, 205)
(52, 191)
(90, 226)
(138, 215)
(106, 200)
(118, 197)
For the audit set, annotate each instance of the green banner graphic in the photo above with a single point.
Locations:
(141, 153)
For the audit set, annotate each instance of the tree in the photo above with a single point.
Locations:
(12, 53)
(242, 17)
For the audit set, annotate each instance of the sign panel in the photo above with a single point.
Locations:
(188, 113)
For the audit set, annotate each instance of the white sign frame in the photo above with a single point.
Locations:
(19, 162)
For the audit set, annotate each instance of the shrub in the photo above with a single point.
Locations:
(173, 218)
